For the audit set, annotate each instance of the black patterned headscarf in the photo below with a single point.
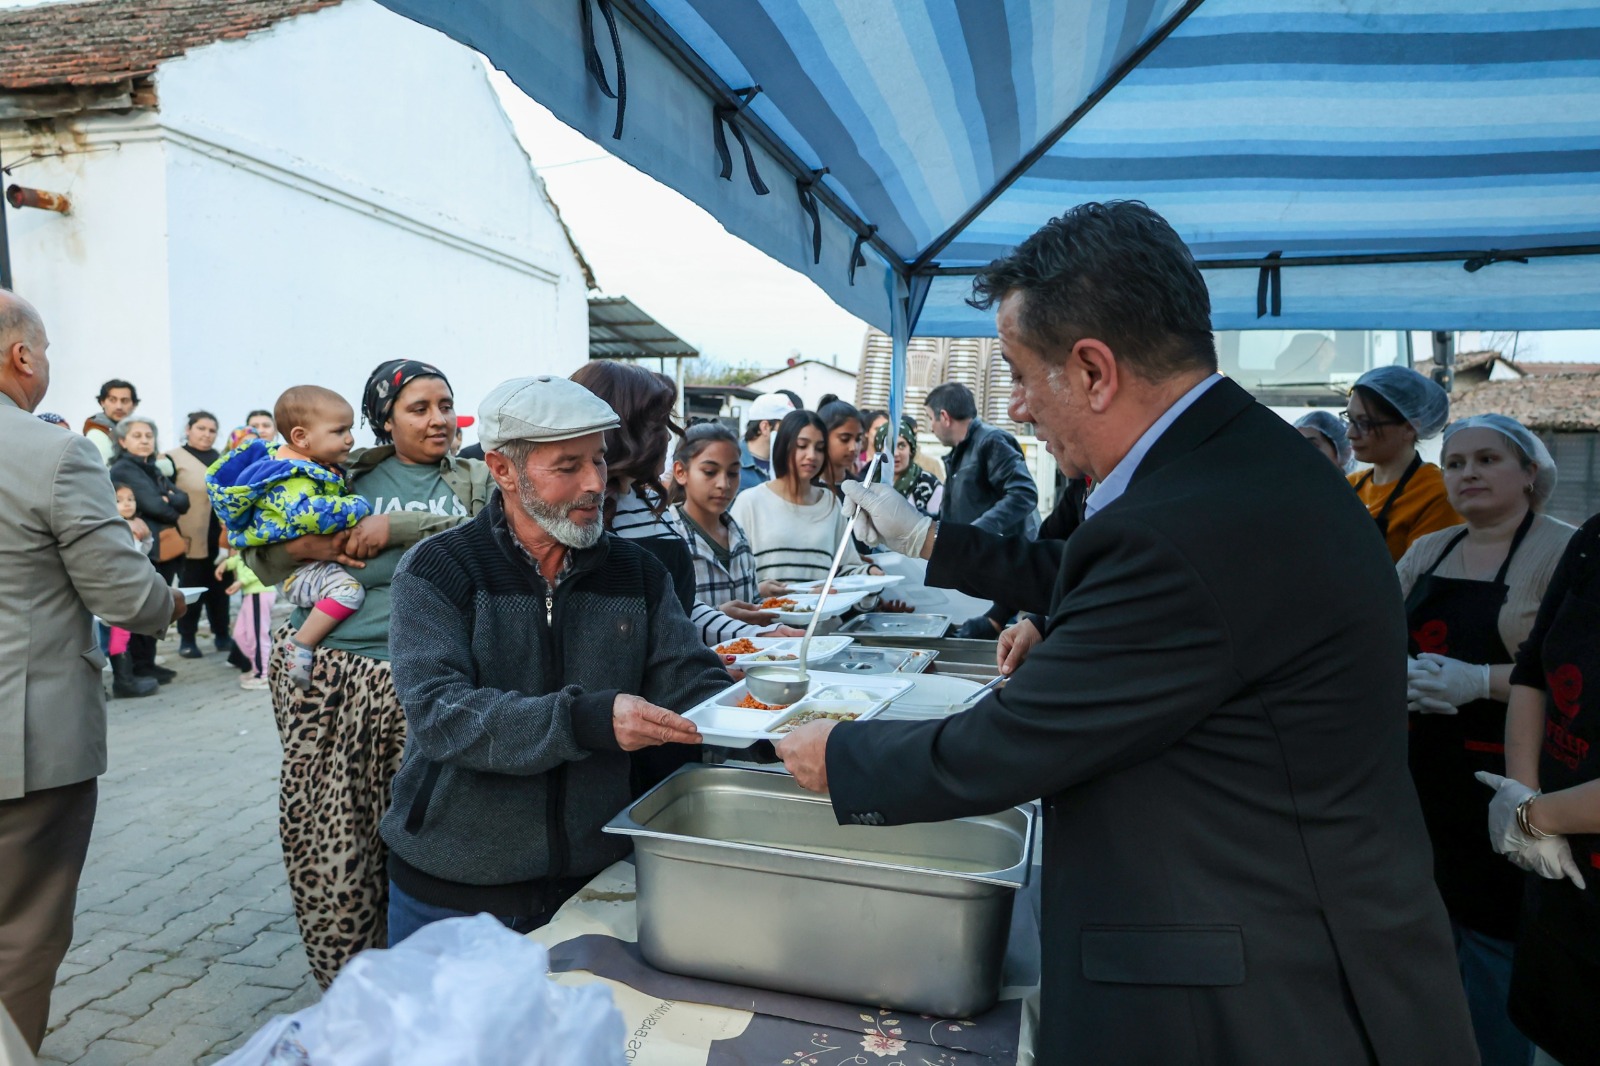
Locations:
(377, 399)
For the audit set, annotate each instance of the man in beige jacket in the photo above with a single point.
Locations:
(64, 554)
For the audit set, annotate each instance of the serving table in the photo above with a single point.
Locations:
(683, 1021)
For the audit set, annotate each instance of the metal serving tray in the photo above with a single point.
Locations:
(745, 877)
(881, 661)
(897, 626)
(958, 657)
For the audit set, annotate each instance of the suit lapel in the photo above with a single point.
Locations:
(1219, 405)
(1216, 407)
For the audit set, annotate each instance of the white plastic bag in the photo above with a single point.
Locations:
(466, 990)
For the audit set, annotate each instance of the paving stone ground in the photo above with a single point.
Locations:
(185, 939)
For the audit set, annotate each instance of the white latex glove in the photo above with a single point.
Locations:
(885, 517)
(1457, 683)
(1509, 794)
(1550, 858)
(1417, 700)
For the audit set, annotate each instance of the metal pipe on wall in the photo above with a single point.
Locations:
(5, 245)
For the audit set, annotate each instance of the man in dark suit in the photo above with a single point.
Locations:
(1235, 865)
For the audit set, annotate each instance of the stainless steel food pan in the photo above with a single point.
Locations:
(897, 626)
(746, 878)
(874, 661)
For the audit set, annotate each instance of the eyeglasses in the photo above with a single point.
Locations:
(1364, 426)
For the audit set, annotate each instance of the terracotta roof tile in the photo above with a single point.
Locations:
(1561, 402)
(104, 42)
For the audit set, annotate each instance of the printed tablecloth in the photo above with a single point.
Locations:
(686, 1021)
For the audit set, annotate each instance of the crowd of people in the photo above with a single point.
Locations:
(490, 646)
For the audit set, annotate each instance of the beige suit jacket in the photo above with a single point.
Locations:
(65, 555)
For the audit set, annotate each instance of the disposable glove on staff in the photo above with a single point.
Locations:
(885, 517)
(1457, 683)
(1509, 794)
(1419, 701)
(1550, 858)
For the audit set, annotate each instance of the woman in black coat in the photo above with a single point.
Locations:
(159, 502)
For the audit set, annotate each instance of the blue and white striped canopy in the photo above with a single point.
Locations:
(1423, 164)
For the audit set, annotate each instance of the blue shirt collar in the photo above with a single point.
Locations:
(1116, 483)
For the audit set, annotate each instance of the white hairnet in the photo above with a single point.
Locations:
(1524, 442)
(1328, 424)
(1420, 400)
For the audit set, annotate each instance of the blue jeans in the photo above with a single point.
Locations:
(407, 914)
(1485, 964)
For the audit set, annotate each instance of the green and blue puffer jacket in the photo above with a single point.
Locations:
(262, 499)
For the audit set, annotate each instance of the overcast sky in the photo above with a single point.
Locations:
(647, 242)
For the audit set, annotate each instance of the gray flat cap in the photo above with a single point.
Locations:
(540, 409)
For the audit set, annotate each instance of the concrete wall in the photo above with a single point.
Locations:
(344, 189)
(97, 275)
(339, 190)
(812, 381)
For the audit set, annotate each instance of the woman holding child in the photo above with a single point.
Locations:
(160, 504)
(343, 733)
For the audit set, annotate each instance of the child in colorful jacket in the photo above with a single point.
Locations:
(270, 493)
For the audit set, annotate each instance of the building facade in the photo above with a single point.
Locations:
(273, 192)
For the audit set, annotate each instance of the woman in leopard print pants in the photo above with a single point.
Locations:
(342, 738)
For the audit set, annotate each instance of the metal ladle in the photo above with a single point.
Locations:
(783, 685)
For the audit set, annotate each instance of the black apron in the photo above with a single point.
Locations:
(1555, 981)
(1461, 619)
(1382, 517)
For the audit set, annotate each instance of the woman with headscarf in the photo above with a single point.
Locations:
(910, 480)
(1390, 409)
(1327, 434)
(1472, 594)
(161, 505)
(342, 738)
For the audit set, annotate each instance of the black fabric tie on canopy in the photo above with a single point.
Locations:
(808, 203)
(722, 115)
(1269, 286)
(856, 258)
(591, 58)
(1478, 262)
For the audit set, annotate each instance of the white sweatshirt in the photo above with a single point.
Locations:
(794, 544)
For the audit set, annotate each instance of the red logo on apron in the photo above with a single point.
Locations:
(1566, 686)
(1433, 637)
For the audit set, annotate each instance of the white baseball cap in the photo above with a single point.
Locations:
(768, 407)
(541, 409)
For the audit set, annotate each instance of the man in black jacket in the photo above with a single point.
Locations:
(532, 651)
(1235, 866)
(986, 483)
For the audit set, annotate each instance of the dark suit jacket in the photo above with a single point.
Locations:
(1235, 865)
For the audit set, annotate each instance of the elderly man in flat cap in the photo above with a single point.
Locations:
(532, 651)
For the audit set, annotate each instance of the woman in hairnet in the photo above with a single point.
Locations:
(1472, 594)
(1326, 432)
(1390, 409)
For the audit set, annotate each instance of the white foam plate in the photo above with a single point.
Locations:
(863, 583)
(805, 606)
(822, 649)
(191, 594)
(931, 696)
(721, 721)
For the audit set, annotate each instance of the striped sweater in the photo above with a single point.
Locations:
(635, 521)
(791, 543)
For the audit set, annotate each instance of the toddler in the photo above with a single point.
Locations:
(252, 629)
(114, 639)
(269, 493)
